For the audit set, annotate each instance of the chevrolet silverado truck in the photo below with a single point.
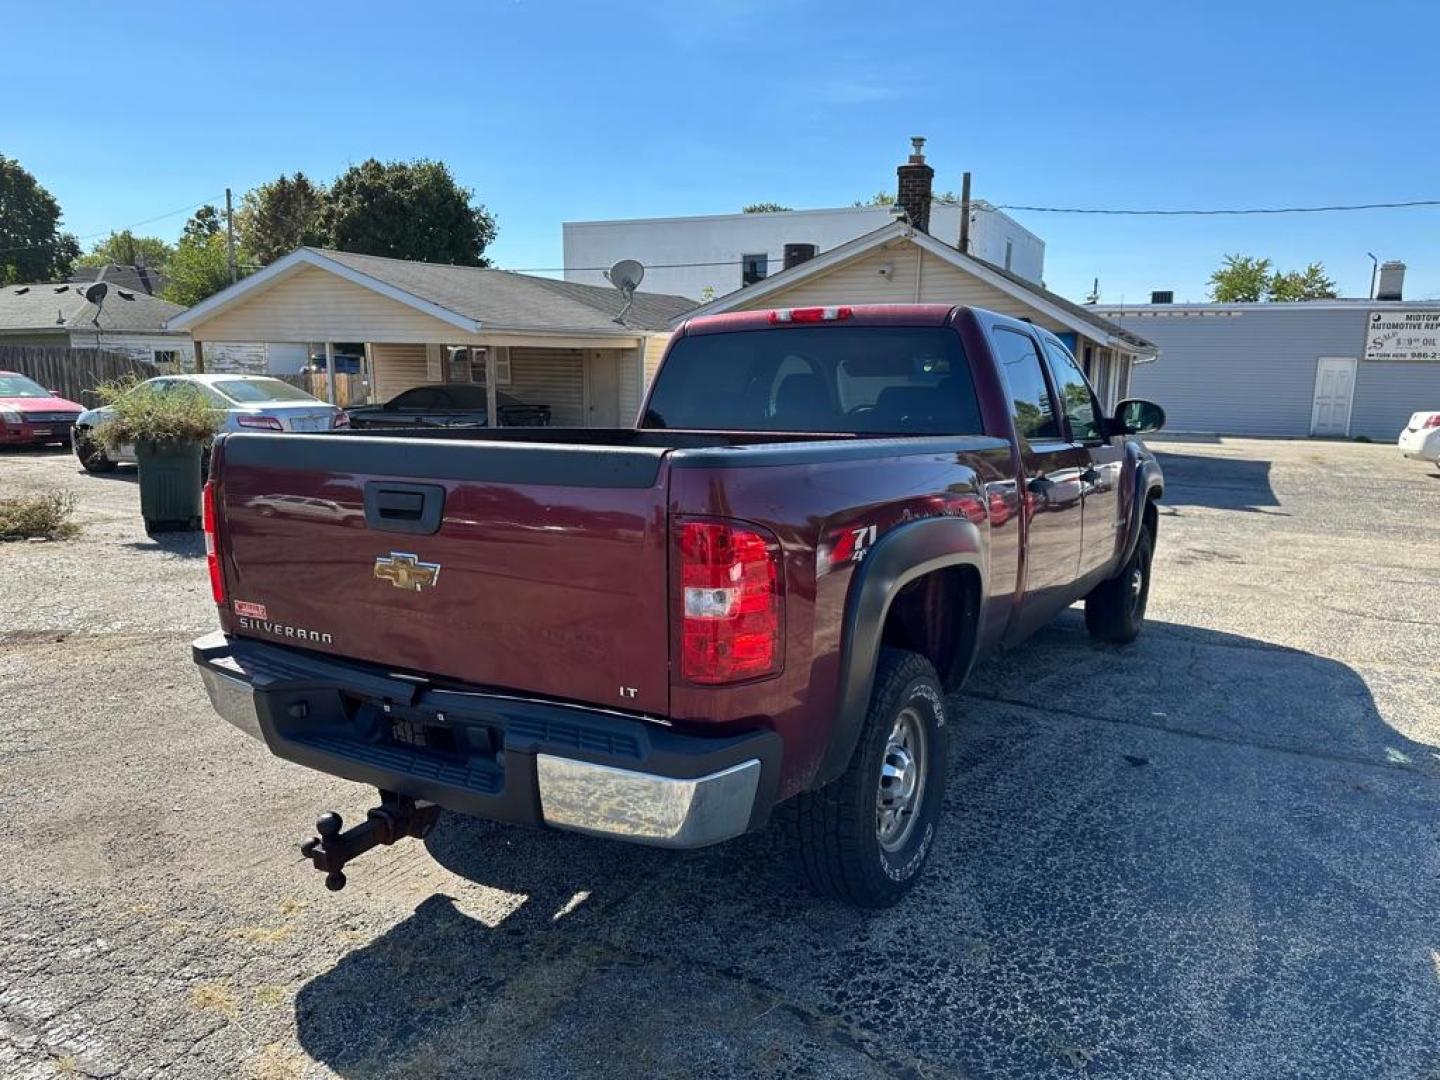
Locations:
(753, 602)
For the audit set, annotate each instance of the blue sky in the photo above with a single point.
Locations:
(556, 111)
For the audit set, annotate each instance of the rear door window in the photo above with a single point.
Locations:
(871, 380)
(1030, 402)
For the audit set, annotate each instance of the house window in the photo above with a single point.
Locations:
(1009, 253)
(467, 364)
(753, 268)
(167, 358)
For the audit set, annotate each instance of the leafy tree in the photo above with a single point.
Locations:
(1243, 279)
(1308, 284)
(887, 198)
(204, 223)
(124, 248)
(407, 210)
(200, 266)
(764, 208)
(32, 247)
(278, 217)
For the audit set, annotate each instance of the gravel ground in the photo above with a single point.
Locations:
(1214, 853)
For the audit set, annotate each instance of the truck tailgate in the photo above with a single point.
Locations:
(545, 575)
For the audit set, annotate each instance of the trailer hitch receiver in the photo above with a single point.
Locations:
(397, 817)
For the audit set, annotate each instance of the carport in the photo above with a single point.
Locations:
(569, 346)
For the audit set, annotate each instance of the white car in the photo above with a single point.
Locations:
(1421, 437)
(248, 402)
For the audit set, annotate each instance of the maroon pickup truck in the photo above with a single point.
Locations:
(754, 601)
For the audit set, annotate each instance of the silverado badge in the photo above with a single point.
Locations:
(406, 571)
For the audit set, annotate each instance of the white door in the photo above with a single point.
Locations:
(602, 389)
(1334, 387)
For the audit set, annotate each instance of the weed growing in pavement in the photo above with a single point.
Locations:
(38, 517)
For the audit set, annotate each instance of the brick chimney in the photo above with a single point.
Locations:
(914, 192)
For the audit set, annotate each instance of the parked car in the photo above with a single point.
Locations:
(1421, 437)
(448, 405)
(756, 601)
(249, 403)
(31, 415)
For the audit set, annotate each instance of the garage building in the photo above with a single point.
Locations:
(1324, 367)
(543, 341)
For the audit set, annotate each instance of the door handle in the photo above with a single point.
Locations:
(404, 508)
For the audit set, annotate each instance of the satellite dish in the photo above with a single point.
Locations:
(96, 295)
(626, 276)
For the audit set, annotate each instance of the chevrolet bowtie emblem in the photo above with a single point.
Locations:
(406, 571)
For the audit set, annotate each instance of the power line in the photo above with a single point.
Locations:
(1208, 213)
(127, 228)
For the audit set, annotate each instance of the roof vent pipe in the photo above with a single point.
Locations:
(1392, 281)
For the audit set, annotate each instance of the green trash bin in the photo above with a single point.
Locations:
(169, 485)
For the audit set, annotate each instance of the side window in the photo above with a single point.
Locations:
(1076, 398)
(1030, 401)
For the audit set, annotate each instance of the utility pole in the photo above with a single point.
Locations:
(965, 214)
(230, 237)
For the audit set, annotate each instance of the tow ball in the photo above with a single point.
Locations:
(397, 817)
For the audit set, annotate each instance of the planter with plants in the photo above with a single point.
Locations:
(170, 430)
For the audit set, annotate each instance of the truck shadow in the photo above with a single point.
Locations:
(1221, 483)
(1203, 852)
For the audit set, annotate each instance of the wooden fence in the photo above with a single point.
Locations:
(74, 372)
(349, 389)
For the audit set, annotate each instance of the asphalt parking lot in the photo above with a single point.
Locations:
(1214, 853)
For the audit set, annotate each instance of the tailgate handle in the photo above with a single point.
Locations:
(404, 508)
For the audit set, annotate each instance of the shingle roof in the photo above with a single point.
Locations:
(1080, 311)
(506, 300)
(62, 305)
(134, 278)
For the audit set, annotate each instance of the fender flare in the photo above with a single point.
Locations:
(897, 558)
(1149, 484)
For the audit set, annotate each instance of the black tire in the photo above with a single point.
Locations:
(1115, 609)
(92, 457)
(837, 830)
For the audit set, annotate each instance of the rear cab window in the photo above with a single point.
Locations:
(1031, 403)
(870, 380)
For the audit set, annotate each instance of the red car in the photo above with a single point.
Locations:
(30, 414)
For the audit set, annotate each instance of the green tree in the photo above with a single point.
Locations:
(32, 247)
(1243, 279)
(887, 198)
(203, 224)
(200, 266)
(276, 218)
(764, 208)
(1246, 279)
(124, 248)
(1308, 284)
(407, 210)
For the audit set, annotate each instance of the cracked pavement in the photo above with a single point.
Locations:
(1213, 853)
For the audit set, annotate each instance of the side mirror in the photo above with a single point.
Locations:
(1135, 416)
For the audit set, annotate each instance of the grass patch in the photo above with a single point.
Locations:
(43, 517)
(213, 998)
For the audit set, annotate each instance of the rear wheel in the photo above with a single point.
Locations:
(1115, 609)
(865, 838)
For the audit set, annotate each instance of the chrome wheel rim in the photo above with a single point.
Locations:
(1137, 585)
(901, 791)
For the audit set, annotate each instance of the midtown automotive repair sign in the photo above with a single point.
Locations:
(1403, 335)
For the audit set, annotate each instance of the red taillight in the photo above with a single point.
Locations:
(810, 314)
(342, 419)
(729, 603)
(264, 423)
(212, 554)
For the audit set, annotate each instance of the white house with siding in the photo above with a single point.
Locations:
(546, 342)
